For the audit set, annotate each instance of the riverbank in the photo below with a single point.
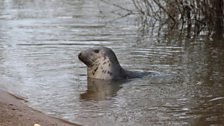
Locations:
(13, 112)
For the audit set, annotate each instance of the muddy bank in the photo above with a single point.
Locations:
(15, 113)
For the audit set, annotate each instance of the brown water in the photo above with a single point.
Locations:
(39, 43)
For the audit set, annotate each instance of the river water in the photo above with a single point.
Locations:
(39, 44)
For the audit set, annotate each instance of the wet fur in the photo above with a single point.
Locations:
(102, 63)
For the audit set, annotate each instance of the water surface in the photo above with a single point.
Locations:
(39, 44)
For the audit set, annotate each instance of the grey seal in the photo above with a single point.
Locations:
(102, 63)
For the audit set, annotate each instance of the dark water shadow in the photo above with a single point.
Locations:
(209, 113)
(99, 90)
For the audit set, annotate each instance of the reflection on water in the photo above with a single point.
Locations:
(100, 90)
(39, 43)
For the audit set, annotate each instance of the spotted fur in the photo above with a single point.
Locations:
(102, 63)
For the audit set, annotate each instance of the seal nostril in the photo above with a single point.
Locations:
(79, 55)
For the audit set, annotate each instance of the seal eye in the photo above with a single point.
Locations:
(96, 50)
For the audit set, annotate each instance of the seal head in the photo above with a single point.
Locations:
(102, 63)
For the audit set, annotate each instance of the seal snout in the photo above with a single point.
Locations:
(80, 56)
(84, 57)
